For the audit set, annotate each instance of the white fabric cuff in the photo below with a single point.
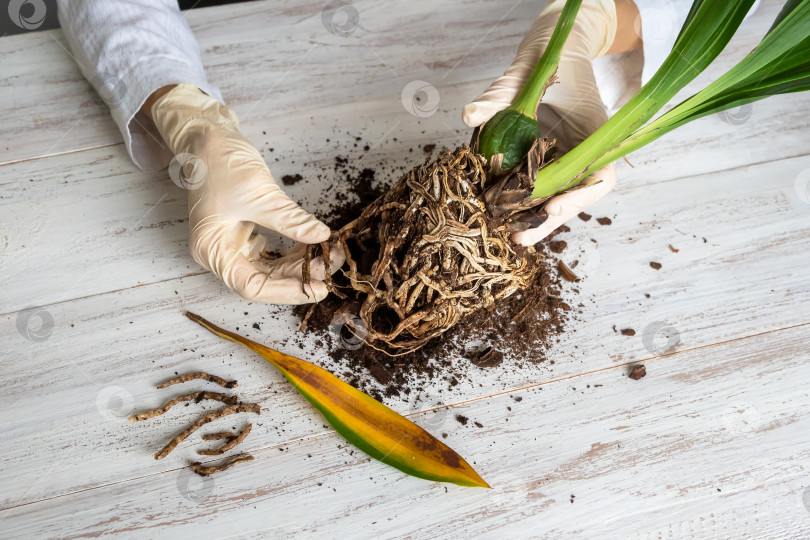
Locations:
(143, 142)
(128, 49)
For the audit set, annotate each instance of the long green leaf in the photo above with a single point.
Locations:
(707, 30)
(780, 64)
(362, 420)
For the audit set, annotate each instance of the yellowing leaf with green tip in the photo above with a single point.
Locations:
(362, 420)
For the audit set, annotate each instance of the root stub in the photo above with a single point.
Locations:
(233, 441)
(199, 375)
(427, 253)
(210, 417)
(203, 470)
(194, 396)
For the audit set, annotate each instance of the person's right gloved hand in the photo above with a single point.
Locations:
(230, 191)
(570, 110)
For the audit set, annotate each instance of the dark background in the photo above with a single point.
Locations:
(9, 27)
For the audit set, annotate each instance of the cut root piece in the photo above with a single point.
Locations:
(199, 375)
(194, 396)
(428, 252)
(218, 435)
(228, 445)
(204, 470)
(210, 417)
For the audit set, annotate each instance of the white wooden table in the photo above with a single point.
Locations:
(96, 276)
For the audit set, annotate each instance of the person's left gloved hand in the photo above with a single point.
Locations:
(230, 191)
(570, 110)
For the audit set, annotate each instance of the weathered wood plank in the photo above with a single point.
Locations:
(646, 457)
(109, 216)
(269, 58)
(263, 54)
(746, 278)
(670, 455)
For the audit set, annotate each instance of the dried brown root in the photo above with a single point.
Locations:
(210, 417)
(566, 272)
(203, 470)
(194, 396)
(228, 445)
(199, 375)
(218, 435)
(441, 254)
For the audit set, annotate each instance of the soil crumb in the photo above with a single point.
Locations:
(628, 332)
(673, 249)
(291, 179)
(428, 148)
(584, 216)
(490, 357)
(604, 221)
(566, 272)
(638, 372)
(656, 265)
(461, 419)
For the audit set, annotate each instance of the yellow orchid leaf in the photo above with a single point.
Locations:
(362, 420)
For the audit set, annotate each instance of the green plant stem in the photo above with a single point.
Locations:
(529, 97)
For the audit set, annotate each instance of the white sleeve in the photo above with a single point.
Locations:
(127, 49)
(620, 76)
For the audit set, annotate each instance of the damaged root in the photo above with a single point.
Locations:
(210, 417)
(203, 470)
(199, 375)
(194, 396)
(441, 254)
(217, 436)
(228, 445)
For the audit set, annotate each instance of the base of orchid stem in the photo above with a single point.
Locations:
(432, 250)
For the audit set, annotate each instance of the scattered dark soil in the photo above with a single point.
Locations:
(584, 217)
(291, 179)
(514, 332)
(428, 148)
(656, 265)
(558, 246)
(462, 419)
(638, 372)
(628, 332)
(604, 221)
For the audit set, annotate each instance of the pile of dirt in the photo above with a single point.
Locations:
(517, 330)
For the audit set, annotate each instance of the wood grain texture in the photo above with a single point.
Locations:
(702, 447)
(113, 214)
(125, 342)
(122, 216)
(101, 249)
(261, 54)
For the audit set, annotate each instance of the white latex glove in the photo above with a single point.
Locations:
(230, 190)
(570, 110)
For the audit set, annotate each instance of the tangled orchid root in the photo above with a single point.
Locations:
(427, 253)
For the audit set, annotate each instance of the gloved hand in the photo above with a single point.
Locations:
(230, 190)
(570, 110)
